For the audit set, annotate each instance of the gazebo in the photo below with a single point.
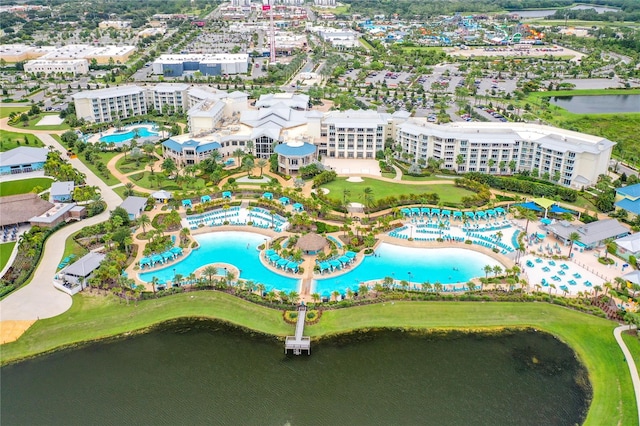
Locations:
(311, 243)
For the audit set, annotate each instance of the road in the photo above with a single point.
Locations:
(40, 299)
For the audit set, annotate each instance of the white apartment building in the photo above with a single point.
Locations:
(205, 63)
(576, 159)
(324, 2)
(106, 105)
(118, 25)
(168, 97)
(354, 134)
(71, 66)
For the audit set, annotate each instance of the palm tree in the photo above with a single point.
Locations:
(573, 237)
(154, 282)
(143, 221)
(129, 189)
(315, 297)
(238, 153)
(529, 215)
(294, 296)
(345, 198)
(191, 278)
(368, 198)
(262, 163)
(497, 269)
(210, 271)
(609, 245)
(487, 270)
(335, 294)
(597, 289)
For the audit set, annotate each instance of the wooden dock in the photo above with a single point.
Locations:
(298, 343)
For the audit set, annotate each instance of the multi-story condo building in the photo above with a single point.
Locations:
(168, 97)
(572, 159)
(106, 105)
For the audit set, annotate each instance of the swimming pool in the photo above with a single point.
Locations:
(142, 132)
(236, 248)
(445, 265)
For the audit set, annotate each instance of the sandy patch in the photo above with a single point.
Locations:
(50, 120)
(11, 330)
(356, 205)
(324, 190)
(355, 179)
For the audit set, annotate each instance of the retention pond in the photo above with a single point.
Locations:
(201, 372)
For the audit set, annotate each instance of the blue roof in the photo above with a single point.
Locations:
(199, 146)
(630, 206)
(630, 191)
(295, 151)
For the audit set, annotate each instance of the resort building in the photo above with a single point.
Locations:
(61, 192)
(206, 64)
(592, 235)
(354, 134)
(23, 159)
(628, 199)
(168, 97)
(629, 245)
(47, 66)
(19, 209)
(60, 212)
(337, 37)
(186, 150)
(295, 154)
(106, 105)
(290, 100)
(134, 206)
(572, 159)
(72, 278)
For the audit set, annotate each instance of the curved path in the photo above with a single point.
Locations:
(39, 298)
(635, 378)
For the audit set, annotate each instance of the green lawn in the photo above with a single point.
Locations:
(71, 247)
(423, 178)
(127, 165)
(10, 140)
(23, 186)
(166, 184)
(5, 252)
(382, 189)
(105, 157)
(5, 111)
(34, 120)
(120, 190)
(96, 317)
(633, 344)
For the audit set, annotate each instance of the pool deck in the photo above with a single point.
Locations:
(94, 138)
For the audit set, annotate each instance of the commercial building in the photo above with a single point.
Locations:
(572, 159)
(106, 105)
(118, 25)
(206, 64)
(46, 66)
(61, 192)
(134, 206)
(592, 235)
(102, 54)
(338, 37)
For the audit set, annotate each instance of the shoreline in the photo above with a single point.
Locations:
(608, 373)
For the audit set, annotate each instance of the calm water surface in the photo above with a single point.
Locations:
(204, 373)
(599, 104)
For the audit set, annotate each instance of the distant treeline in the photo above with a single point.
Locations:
(426, 8)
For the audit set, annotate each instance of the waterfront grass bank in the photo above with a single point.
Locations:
(97, 317)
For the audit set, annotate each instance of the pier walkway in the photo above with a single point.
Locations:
(299, 343)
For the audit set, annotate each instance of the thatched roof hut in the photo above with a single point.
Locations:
(311, 243)
(16, 209)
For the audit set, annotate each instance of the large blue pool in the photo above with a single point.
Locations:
(417, 265)
(236, 248)
(120, 137)
(445, 265)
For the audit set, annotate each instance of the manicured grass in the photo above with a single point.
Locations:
(23, 186)
(71, 247)
(633, 344)
(5, 252)
(127, 165)
(166, 184)
(105, 157)
(120, 190)
(96, 317)
(389, 175)
(5, 111)
(382, 189)
(35, 119)
(10, 140)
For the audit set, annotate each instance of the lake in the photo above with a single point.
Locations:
(203, 372)
(599, 104)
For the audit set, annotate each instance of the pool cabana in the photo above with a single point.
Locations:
(205, 199)
(298, 207)
(284, 201)
(226, 194)
(267, 195)
(187, 204)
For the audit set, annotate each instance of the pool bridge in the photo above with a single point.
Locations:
(298, 343)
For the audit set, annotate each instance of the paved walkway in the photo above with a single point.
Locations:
(635, 378)
(40, 299)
